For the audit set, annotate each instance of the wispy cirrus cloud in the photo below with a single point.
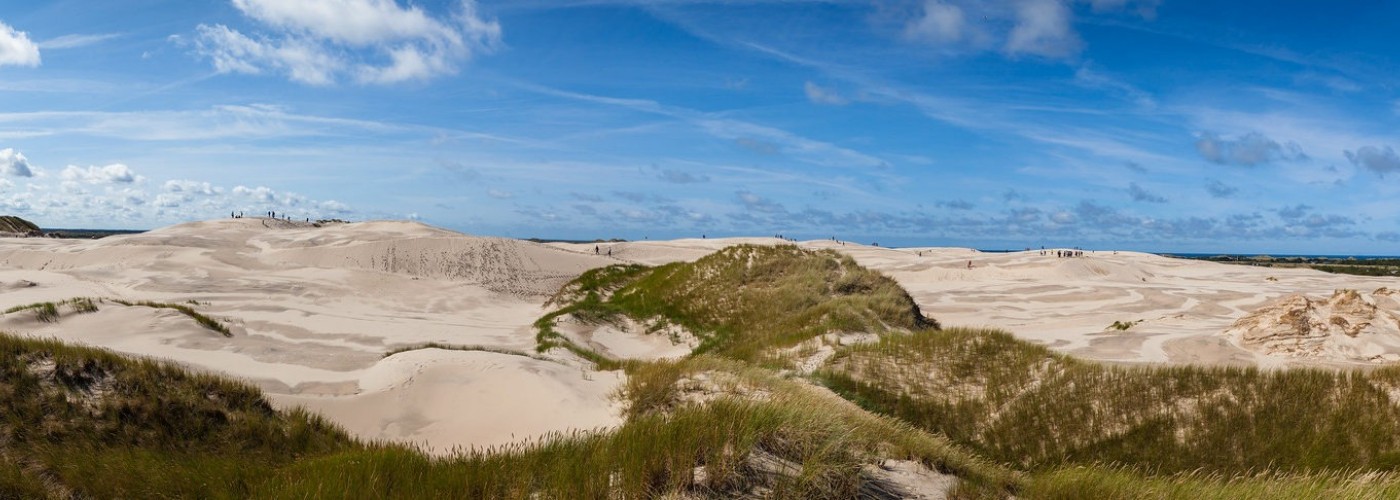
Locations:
(73, 41)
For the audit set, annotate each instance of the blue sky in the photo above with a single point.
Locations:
(1153, 125)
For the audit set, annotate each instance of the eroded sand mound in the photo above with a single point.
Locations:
(1348, 325)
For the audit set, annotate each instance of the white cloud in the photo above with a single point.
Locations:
(353, 22)
(941, 22)
(264, 194)
(16, 49)
(115, 173)
(74, 41)
(335, 207)
(14, 164)
(318, 42)
(820, 95)
(499, 194)
(1379, 160)
(1043, 28)
(1247, 150)
(232, 52)
(192, 187)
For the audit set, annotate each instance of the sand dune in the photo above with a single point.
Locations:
(313, 310)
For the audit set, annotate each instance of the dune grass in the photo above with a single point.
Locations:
(743, 301)
(1023, 404)
(1117, 482)
(651, 456)
(49, 312)
(204, 321)
(99, 425)
(460, 347)
(669, 447)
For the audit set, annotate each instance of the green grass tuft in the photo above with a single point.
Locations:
(203, 320)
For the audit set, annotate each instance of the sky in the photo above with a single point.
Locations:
(1157, 125)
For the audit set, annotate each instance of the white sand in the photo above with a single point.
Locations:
(313, 310)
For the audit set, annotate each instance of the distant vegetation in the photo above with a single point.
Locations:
(1348, 265)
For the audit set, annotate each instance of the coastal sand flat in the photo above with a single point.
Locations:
(313, 310)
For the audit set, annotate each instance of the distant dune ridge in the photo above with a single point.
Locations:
(15, 226)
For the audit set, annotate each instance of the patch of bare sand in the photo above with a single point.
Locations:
(627, 339)
(444, 400)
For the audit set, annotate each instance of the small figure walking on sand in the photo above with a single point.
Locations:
(969, 264)
(595, 249)
(609, 252)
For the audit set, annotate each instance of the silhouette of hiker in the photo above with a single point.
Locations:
(969, 264)
(595, 249)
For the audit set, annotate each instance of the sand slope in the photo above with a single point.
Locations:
(313, 310)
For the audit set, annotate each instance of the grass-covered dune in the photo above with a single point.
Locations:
(89, 423)
(1023, 404)
(743, 301)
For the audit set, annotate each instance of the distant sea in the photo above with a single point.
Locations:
(88, 233)
(1280, 256)
(1190, 255)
